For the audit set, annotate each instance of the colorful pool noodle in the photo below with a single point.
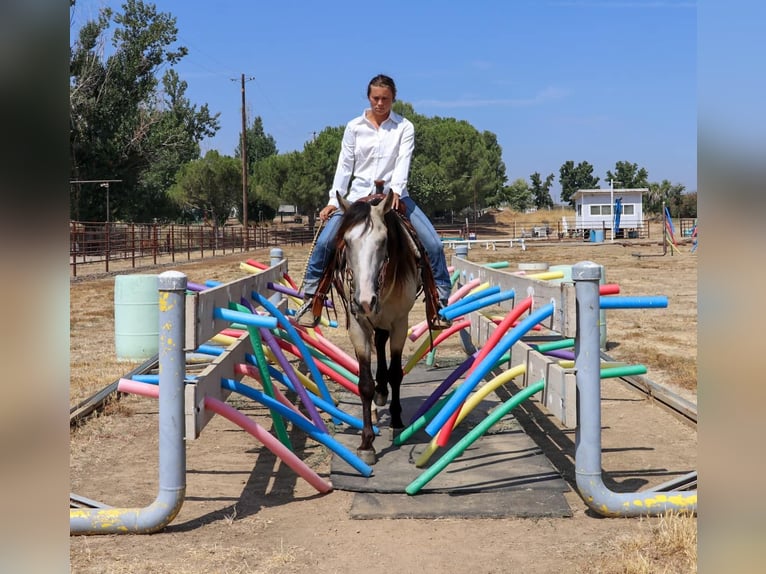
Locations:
(330, 349)
(646, 302)
(546, 275)
(206, 349)
(422, 327)
(324, 321)
(608, 289)
(443, 335)
(323, 367)
(191, 286)
(421, 421)
(224, 340)
(257, 344)
(254, 373)
(301, 422)
(257, 264)
(415, 486)
(245, 318)
(471, 403)
(272, 343)
(307, 383)
(232, 414)
(554, 345)
(465, 308)
(285, 324)
(474, 295)
(561, 354)
(510, 318)
(292, 292)
(443, 386)
(505, 343)
(343, 372)
(263, 266)
(249, 268)
(328, 407)
(497, 265)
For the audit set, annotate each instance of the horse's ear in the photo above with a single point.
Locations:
(344, 204)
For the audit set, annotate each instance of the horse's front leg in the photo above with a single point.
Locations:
(381, 373)
(396, 374)
(366, 391)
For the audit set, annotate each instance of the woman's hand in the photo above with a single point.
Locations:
(326, 212)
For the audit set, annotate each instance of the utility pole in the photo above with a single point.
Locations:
(611, 209)
(244, 161)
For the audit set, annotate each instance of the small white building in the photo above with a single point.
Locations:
(594, 208)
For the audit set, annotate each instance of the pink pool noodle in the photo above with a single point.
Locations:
(323, 345)
(252, 372)
(232, 414)
(324, 369)
(454, 328)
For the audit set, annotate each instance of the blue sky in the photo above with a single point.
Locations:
(596, 81)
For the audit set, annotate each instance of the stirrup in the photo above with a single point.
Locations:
(304, 316)
(440, 322)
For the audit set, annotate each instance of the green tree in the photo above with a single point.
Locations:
(311, 172)
(688, 205)
(260, 145)
(664, 192)
(517, 196)
(541, 193)
(454, 166)
(178, 127)
(574, 177)
(628, 175)
(210, 186)
(121, 126)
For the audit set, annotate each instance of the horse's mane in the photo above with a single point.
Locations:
(402, 258)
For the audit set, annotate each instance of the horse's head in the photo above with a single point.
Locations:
(364, 232)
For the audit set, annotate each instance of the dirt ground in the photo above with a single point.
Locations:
(244, 512)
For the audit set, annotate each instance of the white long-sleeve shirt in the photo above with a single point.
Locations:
(368, 153)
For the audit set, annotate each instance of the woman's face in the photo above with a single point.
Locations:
(381, 100)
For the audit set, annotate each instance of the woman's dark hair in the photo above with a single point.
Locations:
(382, 81)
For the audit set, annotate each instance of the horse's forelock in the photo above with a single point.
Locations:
(358, 212)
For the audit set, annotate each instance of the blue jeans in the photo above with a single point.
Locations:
(431, 241)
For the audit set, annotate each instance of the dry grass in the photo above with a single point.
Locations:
(667, 546)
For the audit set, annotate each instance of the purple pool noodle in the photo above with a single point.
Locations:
(288, 370)
(441, 389)
(561, 354)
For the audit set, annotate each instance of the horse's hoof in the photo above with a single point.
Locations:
(381, 399)
(367, 456)
(374, 416)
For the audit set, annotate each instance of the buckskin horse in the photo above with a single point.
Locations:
(377, 275)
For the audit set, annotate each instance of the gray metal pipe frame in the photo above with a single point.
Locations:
(172, 451)
(588, 472)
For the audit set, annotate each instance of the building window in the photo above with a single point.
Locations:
(595, 210)
(628, 209)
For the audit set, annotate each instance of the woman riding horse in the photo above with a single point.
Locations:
(377, 146)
